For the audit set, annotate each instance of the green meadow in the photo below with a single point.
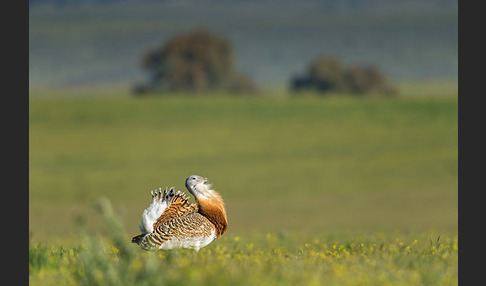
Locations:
(255, 259)
(339, 190)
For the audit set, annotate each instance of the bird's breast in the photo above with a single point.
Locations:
(191, 242)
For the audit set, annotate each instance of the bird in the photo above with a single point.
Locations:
(171, 222)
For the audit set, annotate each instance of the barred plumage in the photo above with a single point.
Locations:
(172, 222)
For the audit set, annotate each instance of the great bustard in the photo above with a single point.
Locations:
(172, 222)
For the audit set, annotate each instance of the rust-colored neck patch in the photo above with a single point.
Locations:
(214, 210)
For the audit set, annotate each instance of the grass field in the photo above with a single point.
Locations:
(339, 189)
(264, 259)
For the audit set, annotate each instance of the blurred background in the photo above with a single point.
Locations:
(353, 126)
(102, 41)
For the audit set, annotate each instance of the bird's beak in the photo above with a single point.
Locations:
(204, 180)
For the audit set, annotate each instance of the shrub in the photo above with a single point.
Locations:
(366, 79)
(326, 74)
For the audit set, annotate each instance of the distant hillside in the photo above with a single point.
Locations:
(95, 41)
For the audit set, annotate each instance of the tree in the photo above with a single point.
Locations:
(198, 61)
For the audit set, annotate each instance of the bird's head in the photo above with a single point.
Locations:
(210, 203)
(198, 186)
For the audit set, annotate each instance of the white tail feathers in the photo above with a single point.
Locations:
(160, 201)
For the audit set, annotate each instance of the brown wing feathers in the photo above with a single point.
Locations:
(178, 206)
(189, 225)
(179, 219)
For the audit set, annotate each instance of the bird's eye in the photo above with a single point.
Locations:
(193, 178)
